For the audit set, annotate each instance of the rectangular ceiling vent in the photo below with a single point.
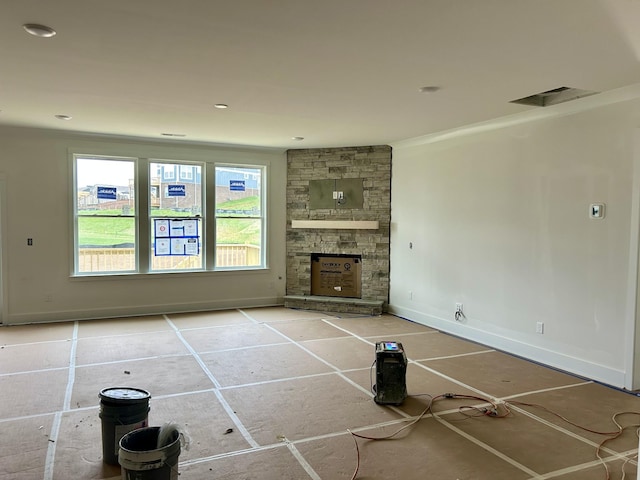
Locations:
(554, 96)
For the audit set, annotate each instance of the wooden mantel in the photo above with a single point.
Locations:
(337, 224)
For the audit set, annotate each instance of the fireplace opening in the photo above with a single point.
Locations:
(336, 275)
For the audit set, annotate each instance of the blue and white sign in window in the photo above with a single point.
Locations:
(106, 193)
(237, 185)
(176, 190)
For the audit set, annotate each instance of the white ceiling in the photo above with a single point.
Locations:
(336, 72)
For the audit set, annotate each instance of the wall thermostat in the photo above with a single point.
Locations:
(596, 210)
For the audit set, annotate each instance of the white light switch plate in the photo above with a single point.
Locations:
(596, 210)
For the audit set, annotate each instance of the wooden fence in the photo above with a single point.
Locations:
(123, 259)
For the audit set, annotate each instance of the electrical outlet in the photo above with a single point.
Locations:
(540, 327)
(458, 308)
(48, 297)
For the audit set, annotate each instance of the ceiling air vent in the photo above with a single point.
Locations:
(553, 97)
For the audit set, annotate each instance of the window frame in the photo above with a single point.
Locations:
(202, 222)
(142, 185)
(263, 213)
(134, 215)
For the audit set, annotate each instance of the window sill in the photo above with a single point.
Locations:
(165, 275)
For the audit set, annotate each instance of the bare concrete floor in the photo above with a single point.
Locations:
(272, 393)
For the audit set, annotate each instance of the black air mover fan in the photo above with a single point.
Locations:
(391, 373)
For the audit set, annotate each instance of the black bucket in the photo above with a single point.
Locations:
(142, 459)
(122, 409)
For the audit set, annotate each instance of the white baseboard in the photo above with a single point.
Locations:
(141, 310)
(554, 359)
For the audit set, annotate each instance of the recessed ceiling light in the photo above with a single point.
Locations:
(64, 117)
(39, 30)
(297, 139)
(429, 89)
(221, 106)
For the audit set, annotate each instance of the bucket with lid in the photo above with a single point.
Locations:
(122, 409)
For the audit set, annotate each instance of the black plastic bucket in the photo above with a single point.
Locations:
(122, 409)
(141, 459)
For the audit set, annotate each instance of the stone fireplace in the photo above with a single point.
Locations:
(351, 219)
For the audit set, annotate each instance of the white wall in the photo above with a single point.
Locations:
(499, 222)
(37, 169)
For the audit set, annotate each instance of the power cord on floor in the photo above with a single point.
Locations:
(386, 437)
(492, 411)
(500, 411)
(611, 435)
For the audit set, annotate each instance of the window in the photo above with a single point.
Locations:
(176, 219)
(105, 215)
(168, 172)
(239, 217)
(134, 215)
(186, 172)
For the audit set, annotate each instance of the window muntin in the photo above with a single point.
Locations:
(239, 217)
(176, 219)
(105, 215)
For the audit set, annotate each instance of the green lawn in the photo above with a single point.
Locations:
(246, 203)
(97, 230)
(106, 231)
(238, 231)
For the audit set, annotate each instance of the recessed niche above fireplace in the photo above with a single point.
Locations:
(335, 194)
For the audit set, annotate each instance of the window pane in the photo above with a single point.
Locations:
(105, 215)
(238, 191)
(238, 242)
(176, 216)
(106, 244)
(239, 221)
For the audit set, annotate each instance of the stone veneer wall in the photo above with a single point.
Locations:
(373, 165)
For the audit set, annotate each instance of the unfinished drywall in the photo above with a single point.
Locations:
(499, 221)
(39, 287)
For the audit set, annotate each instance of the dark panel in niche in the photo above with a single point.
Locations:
(351, 189)
(321, 194)
(335, 194)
